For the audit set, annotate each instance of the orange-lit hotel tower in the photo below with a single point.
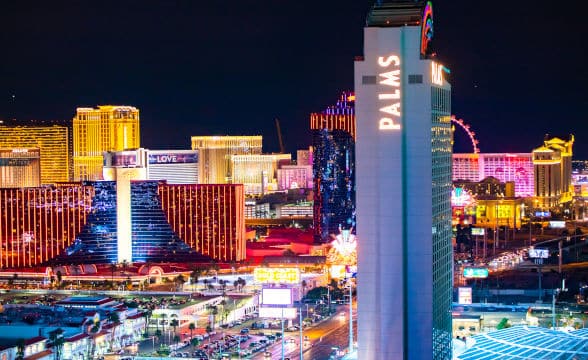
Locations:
(51, 138)
(552, 164)
(215, 155)
(108, 128)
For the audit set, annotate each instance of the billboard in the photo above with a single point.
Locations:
(122, 159)
(539, 253)
(542, 214)
(478, 231)
(475, 273)
(276, 313)
(276, 275)
(276, 296)
(173, 157)
(464, 295)
(557, 224)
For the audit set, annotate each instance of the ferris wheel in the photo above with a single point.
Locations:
(466, 128)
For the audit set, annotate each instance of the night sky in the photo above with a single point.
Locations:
(230, 67)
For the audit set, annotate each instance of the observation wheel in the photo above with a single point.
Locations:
(469, 132)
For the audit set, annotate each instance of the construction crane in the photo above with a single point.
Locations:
(282, 149)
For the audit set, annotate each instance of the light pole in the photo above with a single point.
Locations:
(300, 325)
(350, 317)
(282, 337)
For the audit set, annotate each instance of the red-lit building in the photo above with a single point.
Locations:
(74, 223)
(208, 217)
(37, 224)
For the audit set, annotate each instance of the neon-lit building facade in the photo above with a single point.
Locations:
(333, 143)
(257, 172)
(517, 167)
(20, 168)
(215, 155)
(107, 128)
(553, 171)
(112, 221)
(294, 177)
(173, 166)
(209, 218)
(37, 224)
(403, 109)
(52, 138)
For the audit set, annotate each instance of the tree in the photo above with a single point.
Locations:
(174, 324)
(20, 349)
(191, 327)
(179, 281)
(176, 339)
(158, 334)
(304, 285)
(503, 324)
(163, 316)
(115, 321)
(147, 313)
(57, 341)
(195, 275)
(113, 268)
(194, 342)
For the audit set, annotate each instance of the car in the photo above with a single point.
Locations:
(267, 355)
(244, 331)
(291, 340)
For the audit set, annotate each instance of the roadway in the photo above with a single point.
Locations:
(322, 338)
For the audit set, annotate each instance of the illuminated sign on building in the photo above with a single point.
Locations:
(277, 275)
(173, 158)
(391, 113)
(464, 295)
(436, 73)
(478, 231)
(426, 28)
(538, 253)
(475, 273)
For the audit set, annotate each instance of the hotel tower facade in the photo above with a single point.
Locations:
(403, 153)
(108, 128)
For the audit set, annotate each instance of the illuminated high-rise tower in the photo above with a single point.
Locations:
(52, 138)
(215, 155)
(108, 128)
(403, 148)
(552, 165)
(333, 141)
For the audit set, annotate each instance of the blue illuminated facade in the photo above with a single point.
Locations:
(333, 140)
(153, 239)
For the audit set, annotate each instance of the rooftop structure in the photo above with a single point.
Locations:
(526, 342)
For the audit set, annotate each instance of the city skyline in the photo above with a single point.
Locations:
(258, 64)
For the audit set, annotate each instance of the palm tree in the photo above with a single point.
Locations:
(57, 341)
(191, 327)
(174, 323)
(179, 281)
(115, 320)
(20, 346)
(304, 285)
(113, 267)
(242, 283)
(163, 316)
(205, 282)
(147, 313)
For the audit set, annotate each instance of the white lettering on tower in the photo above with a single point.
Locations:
(390, 97)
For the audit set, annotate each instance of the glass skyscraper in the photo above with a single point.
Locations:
(403, 105)
(333, 141)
